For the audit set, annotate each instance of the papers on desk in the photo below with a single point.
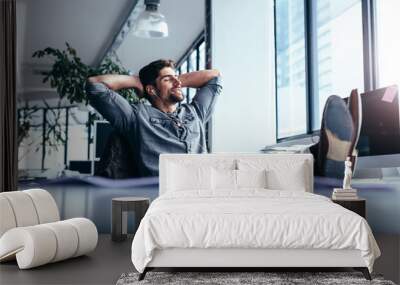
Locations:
(297, 148)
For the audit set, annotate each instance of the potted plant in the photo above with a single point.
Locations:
(68, 75)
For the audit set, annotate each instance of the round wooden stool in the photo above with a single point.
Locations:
(120, 208)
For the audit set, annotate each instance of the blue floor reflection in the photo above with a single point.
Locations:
(94, 202)
(382, 200)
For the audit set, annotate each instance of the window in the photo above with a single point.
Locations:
(55, 134)
(193, 66)
(339, 52)
(388, 23)
(202, 55)
(30, 140)
(319, 52)
(183, 69)
(290, 68)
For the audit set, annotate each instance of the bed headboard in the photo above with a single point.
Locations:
(284, 162)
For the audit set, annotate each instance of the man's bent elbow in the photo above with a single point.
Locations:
(92, 89)
(93, 79)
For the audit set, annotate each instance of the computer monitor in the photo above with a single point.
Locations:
(83, 166)
(380, 129)
(379, 142)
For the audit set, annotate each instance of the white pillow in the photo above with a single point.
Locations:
(227, 179)
(251, 178)
(223, 179)
(282, 174)
(183, 177)
(292, 178)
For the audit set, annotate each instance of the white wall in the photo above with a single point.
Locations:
(243, 50)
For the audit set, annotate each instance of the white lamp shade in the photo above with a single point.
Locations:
(151, 24)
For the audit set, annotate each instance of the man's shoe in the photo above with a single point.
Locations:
(336, 138)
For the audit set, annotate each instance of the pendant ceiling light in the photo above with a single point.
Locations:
(151, 23)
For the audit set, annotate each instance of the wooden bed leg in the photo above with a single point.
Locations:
(364, 271)
(143, 274)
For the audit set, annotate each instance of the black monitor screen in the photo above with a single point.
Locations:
(380, 129)
(83, 166)
(103, 131)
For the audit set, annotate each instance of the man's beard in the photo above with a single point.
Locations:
(177, 97)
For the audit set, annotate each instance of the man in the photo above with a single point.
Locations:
(164, 126)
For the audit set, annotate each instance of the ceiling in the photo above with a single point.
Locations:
(90, 26)
(186, 20)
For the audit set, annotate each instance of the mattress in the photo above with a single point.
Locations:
(250, 219)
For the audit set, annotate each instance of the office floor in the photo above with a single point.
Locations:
(103, 266)
(111, 259)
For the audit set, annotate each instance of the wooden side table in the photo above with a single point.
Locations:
(120, 208)
(357, 205)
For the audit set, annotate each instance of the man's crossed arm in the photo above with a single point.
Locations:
(197, 79)
(116, 81)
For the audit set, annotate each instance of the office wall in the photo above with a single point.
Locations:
(243, 50)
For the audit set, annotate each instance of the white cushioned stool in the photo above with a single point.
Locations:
(31, 230)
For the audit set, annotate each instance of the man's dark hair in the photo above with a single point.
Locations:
(149, 73)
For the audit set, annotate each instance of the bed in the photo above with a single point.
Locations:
(246, 211)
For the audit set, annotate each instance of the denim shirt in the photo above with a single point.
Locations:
(151, 131)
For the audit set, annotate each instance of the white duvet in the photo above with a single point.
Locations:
(250, 219)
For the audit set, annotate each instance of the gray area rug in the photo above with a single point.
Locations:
(229, 278)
